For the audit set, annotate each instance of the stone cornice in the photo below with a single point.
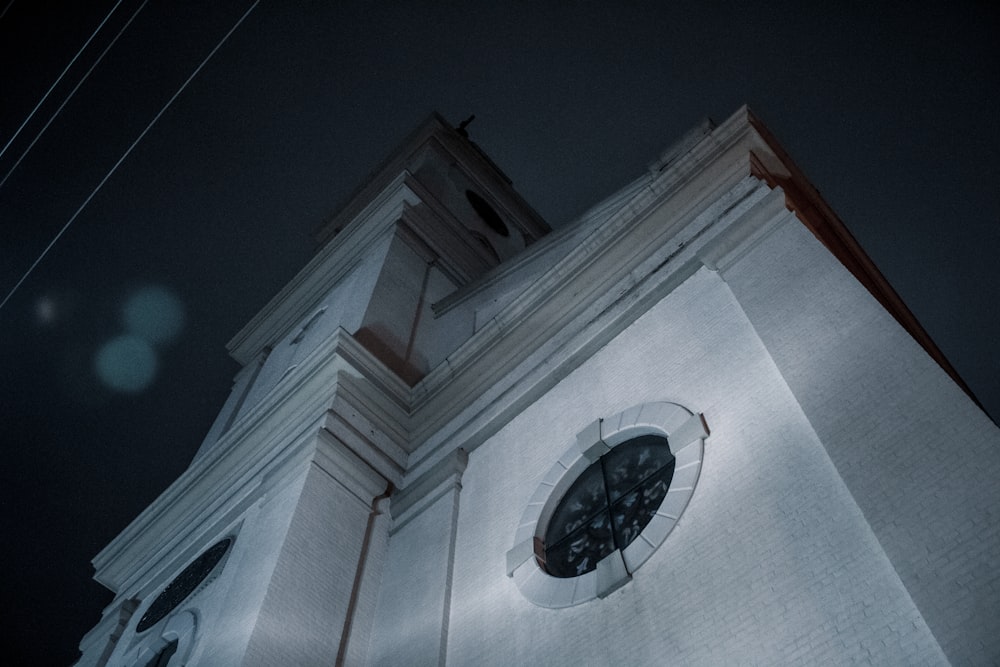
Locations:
(352, 472)
(705, 206)
(380, 178)
(370, 426)
(420, 493)
(500, 272)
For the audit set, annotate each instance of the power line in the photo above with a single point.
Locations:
(135, 143)
(59, 78)
(72, 92)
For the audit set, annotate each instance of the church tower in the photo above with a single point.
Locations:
(282, 509)
(695, 426)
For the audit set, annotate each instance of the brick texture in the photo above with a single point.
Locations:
(772, 563)
(919, 457)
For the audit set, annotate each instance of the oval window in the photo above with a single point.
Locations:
(486, 213)
(607, 504)
(183, 585)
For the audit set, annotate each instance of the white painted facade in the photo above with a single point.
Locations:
(404, 398)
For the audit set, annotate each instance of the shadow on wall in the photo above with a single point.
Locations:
(410, 367)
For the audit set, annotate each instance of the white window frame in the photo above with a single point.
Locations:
(685, 431)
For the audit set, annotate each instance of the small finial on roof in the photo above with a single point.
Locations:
(461, 126)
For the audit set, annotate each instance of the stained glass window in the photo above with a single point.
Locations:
(608, 505)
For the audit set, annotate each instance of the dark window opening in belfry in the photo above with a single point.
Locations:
(486, 212)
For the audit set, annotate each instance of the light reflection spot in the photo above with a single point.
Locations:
(126, 364)
(155, 314)
(45, 310)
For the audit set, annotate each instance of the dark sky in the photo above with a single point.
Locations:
(891, 113)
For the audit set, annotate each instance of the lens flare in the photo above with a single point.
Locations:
(155, 314)
(126, 364)
(46, 311)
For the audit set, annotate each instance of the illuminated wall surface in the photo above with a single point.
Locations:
(413, 405)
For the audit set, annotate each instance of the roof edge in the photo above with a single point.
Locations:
(804, 200)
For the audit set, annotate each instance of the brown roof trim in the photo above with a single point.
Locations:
(809, 207)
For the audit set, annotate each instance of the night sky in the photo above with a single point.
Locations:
(892, 114)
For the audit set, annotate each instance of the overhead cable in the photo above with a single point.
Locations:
(59, 78)
(135, 143)
(72, 92)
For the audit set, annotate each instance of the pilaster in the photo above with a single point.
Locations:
(411, 623)
(309, 601)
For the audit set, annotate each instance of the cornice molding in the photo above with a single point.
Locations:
(367, 425)
(340, 462)
(444, 476)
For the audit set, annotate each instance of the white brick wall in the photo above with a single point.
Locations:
(772, 563)
(307, 601)
(412, 613)
(919, 457)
